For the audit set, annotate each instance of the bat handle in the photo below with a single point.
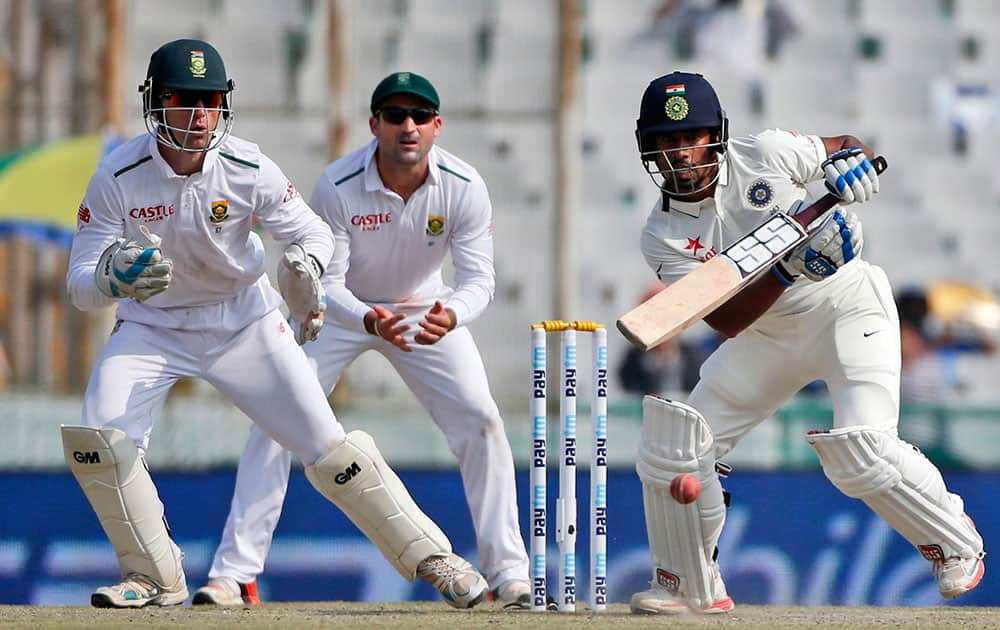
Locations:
(829, 200)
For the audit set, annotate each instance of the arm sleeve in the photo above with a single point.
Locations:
(281, 210)
(342, 305)
(799, 156)
(99, 223)
(472, 255)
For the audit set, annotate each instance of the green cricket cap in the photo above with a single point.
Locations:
(404, 83)
(188, 64)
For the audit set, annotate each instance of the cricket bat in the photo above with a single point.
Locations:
(700, 292)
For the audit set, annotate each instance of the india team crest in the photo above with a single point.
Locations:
(760, 193)
(198, 64)
(220, 211)
(435, 225)
(676, 108)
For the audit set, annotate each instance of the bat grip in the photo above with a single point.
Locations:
(829, 200)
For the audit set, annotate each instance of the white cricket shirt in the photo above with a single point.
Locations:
(205, 220)
(764, 174)
(391, 253)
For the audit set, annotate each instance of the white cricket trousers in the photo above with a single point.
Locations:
(847, 336)
(260, 368)
(449, 380)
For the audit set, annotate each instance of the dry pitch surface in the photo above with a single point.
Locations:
(438, 616)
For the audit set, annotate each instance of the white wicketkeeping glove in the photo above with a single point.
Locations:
(836, 241)
(134, 268)
(298, 280)
(851, 176)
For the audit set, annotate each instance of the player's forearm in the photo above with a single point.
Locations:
(83, 291)
(746, 307)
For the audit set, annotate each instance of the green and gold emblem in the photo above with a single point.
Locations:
(198, 63)
(435, 225)
(220, 211)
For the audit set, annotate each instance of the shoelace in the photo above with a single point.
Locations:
(442, 568)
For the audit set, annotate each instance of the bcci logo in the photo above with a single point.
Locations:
(220, 211)
(198, 64)
(435, 225)
(676, 108)
(760, 194)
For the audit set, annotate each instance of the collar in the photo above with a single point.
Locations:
(373, 181)
(690, 208)
(167, 171)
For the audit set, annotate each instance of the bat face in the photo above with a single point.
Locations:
(703, 290)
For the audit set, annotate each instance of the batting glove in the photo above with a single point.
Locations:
(837, 241)
(851, 176)
(299, 281)
(134, 268)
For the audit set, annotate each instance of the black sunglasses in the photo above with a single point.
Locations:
(397, 115)
(212, 99)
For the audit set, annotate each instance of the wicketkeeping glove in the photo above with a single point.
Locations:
(851, 176)
(134, 268)
(298, 280)
(836, 241)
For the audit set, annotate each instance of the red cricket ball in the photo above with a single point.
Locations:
(685, 488)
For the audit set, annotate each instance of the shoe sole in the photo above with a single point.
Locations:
(99, 600)
(973, 583)
(720, 606)
(204, 599)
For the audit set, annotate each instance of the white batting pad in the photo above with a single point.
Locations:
(356, 478)
(900, 485)
(682, 538)
(114, 478)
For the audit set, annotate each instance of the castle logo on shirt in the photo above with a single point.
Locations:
(760, 193)
(435, 225)
(371, 222)
(220, 211)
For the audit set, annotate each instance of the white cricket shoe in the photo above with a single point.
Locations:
(659, 601)
(458, 581)
(957, 576)
(514, 594)
(136, 590)
(225, 591)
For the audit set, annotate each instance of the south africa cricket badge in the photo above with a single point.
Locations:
(220, 211)
(435, 225)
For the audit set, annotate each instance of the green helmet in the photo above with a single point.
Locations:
(185, 65)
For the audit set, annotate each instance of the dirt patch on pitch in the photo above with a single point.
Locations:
(437, 616)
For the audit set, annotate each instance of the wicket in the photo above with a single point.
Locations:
(566, 511)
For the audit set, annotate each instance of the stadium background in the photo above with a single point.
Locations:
(915, 78)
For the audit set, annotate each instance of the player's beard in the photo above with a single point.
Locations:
(701, 176)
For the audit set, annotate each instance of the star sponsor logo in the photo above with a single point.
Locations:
(435, 225)
(220, 211)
